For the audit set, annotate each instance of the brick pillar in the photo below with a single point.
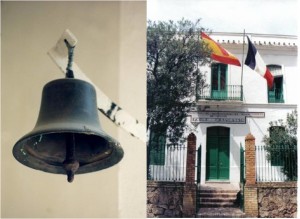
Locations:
(189, 193)
(250, 192)
(250, 159)
(190, 159)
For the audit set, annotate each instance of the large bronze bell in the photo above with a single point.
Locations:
(67, 137)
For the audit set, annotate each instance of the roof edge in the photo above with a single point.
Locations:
(255, 35)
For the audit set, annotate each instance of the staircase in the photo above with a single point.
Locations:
(219, 200)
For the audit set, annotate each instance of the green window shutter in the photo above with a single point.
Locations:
(219, 81)
(157, 149)
(275, 94)
(219, 76)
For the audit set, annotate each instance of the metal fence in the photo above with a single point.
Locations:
(275, 96)
(241, 196)
(276, 164)
(170, 167)
(228, 92)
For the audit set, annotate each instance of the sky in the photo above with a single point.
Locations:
(255, 16)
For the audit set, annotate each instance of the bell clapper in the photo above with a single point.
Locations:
(71, 165)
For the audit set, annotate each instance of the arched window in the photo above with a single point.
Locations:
(275, 94)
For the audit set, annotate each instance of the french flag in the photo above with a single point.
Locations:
(255, 62)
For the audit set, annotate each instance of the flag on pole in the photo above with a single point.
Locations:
(219, 53)
(255, 62)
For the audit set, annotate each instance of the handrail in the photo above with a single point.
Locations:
(228, 92)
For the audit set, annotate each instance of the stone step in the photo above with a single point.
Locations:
(231, 191)
(218, 195)
(217, 204)
(219, 212)
(217, 199)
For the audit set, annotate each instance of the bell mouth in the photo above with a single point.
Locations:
(47, 152)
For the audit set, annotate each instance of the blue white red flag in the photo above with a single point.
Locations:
(255, 62)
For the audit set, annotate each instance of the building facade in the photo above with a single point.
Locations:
(237, 101)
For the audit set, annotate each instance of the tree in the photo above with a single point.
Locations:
(281, 144)
(174, 53)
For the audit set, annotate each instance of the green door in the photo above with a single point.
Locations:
(219, 81)
(217, 157)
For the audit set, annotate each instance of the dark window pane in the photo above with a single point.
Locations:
(223, 80)
(218, 80)
(215, 77)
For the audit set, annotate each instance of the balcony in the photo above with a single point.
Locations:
(275, 96)
(229, 92)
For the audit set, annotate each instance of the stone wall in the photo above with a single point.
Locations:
(277, 199)
(164, 199)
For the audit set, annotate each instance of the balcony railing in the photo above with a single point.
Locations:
(275, 96)
(230, 92)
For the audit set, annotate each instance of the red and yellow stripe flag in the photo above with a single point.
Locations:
(219, 53)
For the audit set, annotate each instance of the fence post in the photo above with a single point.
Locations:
(251, 202)
(250, 159)
(189, 193)
(190, 159)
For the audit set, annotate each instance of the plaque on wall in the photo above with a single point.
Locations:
(223, 117)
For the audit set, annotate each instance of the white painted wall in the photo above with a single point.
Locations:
(283, 53)
(256, 126)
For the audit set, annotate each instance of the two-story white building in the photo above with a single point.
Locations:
(236, 102)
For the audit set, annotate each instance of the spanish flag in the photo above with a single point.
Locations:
(219, 53)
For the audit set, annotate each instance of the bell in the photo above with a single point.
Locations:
(67, 137)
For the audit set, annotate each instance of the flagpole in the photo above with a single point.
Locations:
(197, 76)
(243, 59)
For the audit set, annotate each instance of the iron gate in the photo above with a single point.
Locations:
(198, 177)
(242, 177)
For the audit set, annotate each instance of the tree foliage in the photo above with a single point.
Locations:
(174, 53)
(281, 144)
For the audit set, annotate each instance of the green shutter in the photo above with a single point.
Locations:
(157, 149)
(219, 81)
(212, 158)
(275, 94)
